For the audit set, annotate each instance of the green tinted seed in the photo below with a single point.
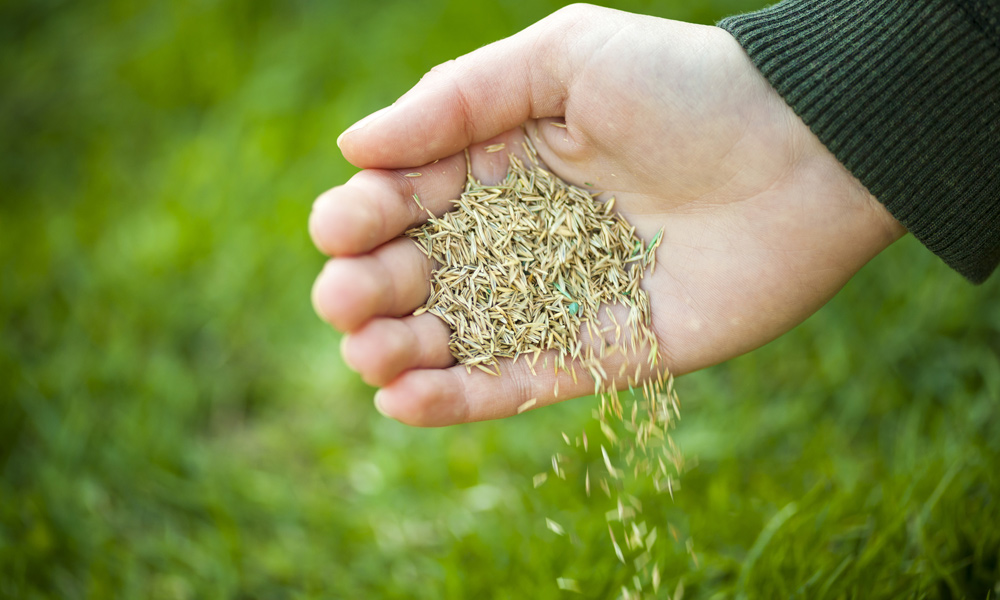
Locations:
(574, 308)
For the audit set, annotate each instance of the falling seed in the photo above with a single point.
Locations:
(609, 433)
(570, 585)
(651, 538)
(607, 462)
(554, 527)
(614, 542)
(558, 124)
(524, 266)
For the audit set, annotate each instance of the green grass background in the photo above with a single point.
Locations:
(176, 423)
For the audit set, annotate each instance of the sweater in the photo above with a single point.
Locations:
(906, 94)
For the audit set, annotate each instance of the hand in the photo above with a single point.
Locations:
(762, 225)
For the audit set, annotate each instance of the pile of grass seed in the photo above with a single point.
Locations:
(533, 264)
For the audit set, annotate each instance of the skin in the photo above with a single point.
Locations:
(762, 225)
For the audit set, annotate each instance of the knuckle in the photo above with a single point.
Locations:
(366, 229)
(405, 189)
(575, 12)
(391, 350)
(449, 76)
(382, 286)
(522, 386)
(421, 410)
(445, 69)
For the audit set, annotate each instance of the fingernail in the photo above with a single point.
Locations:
(363, 123)
(378, 403)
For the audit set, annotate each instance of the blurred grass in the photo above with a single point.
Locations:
(176, 423)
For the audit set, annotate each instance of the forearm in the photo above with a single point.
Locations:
(907, 97)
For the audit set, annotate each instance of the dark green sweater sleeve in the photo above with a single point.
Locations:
(906, 94)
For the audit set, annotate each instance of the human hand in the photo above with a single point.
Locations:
(762, 225)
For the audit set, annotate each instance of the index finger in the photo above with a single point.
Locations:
(377, 205)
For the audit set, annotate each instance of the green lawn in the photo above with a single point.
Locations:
(176, 423)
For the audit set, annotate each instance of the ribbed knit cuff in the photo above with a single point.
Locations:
(906, 94)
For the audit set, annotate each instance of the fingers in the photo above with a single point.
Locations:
(393, 280)
(437, 397)
(384, 348)
(479, 95)
(430, 397)
(377, 205)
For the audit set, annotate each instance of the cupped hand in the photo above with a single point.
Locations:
(762, 225)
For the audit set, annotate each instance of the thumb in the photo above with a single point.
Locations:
(464, 101)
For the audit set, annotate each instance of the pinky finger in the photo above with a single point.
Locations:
(437, 397)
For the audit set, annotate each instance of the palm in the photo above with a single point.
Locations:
(761, 224)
